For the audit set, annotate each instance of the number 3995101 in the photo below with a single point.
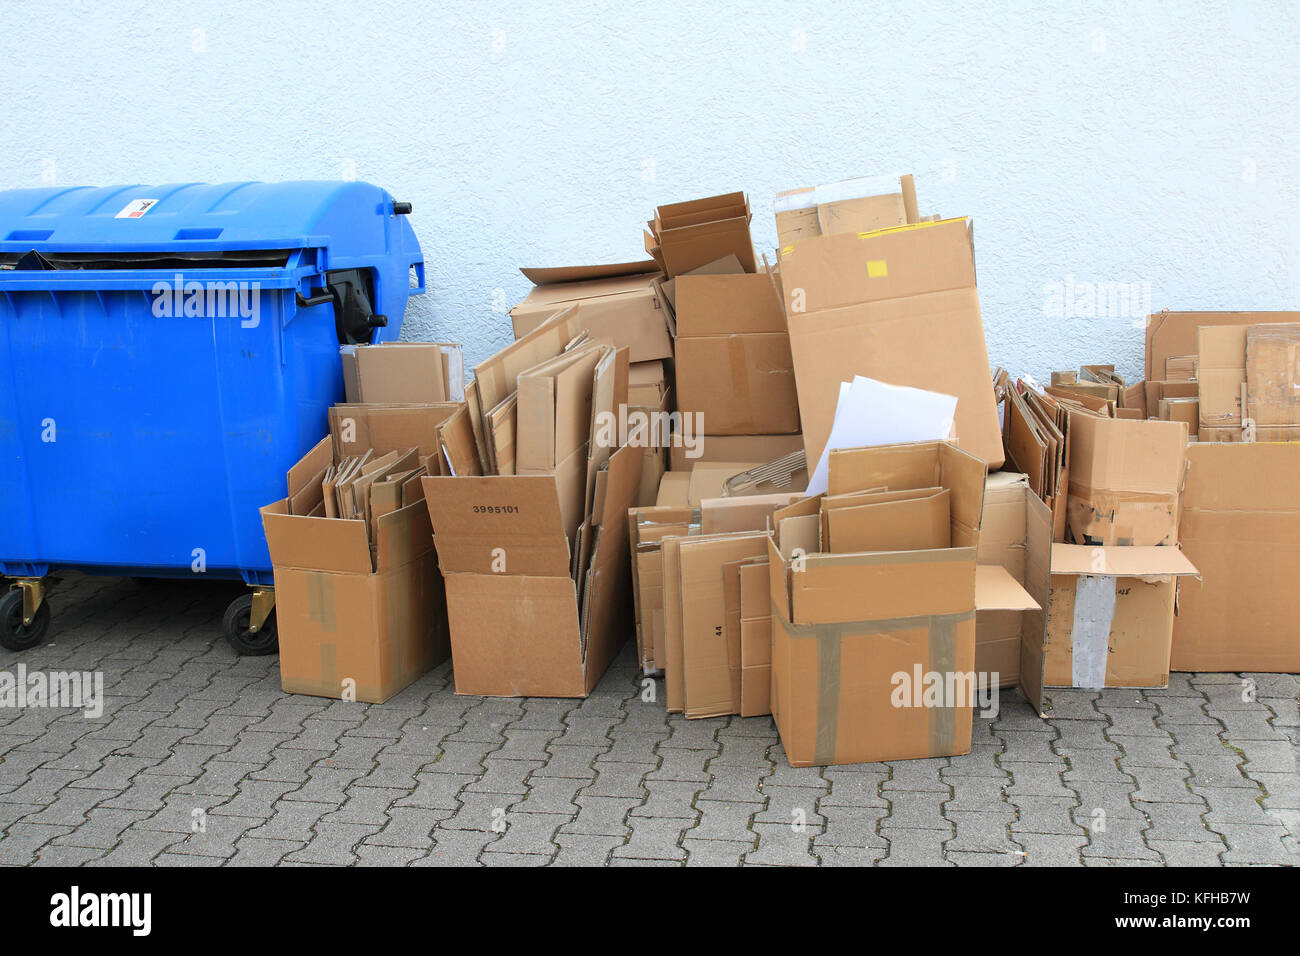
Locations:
(496, 509)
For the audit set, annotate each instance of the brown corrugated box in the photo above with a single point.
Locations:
(350, 624)
(733, 361)
(846, 626)
(1241, 528)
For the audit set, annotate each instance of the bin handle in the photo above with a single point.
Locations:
(320, 297)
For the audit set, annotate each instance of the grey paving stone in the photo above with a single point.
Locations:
(601, 816)
(1042, 849)
(912, 847)
(584, 849)
(654, 839)
(715, 852)
(784, 844)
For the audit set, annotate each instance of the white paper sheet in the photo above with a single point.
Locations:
(875, 413)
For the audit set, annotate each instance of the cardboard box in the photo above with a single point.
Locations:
(403, 373)
(755, 640)
(1015, 534)
(353, 626)
(1110, 618)
(1273, 374)
(621, 309)
(1222, 350)
(519, 625)
(1241, 528)
(856, 636)
(1174, 333)
(1125, 480)
(734, 371)
(898, 305)
(713, 448)
(687, 235)
(854, 205)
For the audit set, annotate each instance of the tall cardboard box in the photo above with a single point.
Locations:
(1015, 534)
(898, 305)
(1241, 528)
(519, 626)
(1125, 480)
(856, 636)
(734, 371)
(618, 307)
(1110, 618)
(350, 625)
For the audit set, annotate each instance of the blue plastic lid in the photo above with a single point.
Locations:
(195, 217)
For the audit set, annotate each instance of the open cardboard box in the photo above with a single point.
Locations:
(848, 628)
(519, 626)
(898, 305)
(353, 626)
(1110, 618)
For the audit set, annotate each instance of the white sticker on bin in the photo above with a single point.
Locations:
(136, 208)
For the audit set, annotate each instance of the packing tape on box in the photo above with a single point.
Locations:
(942, 629)
(320, 600)
(1092, 516)
(1094, 610)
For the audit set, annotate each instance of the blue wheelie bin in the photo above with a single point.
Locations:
(166, 353)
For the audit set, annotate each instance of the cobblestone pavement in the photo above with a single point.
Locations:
(200, 759)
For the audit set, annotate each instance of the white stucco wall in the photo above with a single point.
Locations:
(1144, 143)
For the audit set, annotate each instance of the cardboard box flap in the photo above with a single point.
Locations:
(310, 466)
(1128, 561)
(997, 590)
(696, 211)
(497, 506)
(317, 544)
(827, 272)
(402, 536)
(1143, 457)
(554, 274)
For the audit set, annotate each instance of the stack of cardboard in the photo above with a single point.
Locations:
(1111, 617)
(360, 607)
(533, 546)
(359, 601)
(619, 305)
(1240, 507)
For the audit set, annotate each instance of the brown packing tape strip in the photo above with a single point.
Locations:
(329, 667)
(943, 658)
(320, 600)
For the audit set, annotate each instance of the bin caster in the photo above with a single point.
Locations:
(24, 615)
(250, 623)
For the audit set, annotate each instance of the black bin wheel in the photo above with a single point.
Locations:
(245, 642)
(14, 635)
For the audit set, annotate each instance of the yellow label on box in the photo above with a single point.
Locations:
(876, 269)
